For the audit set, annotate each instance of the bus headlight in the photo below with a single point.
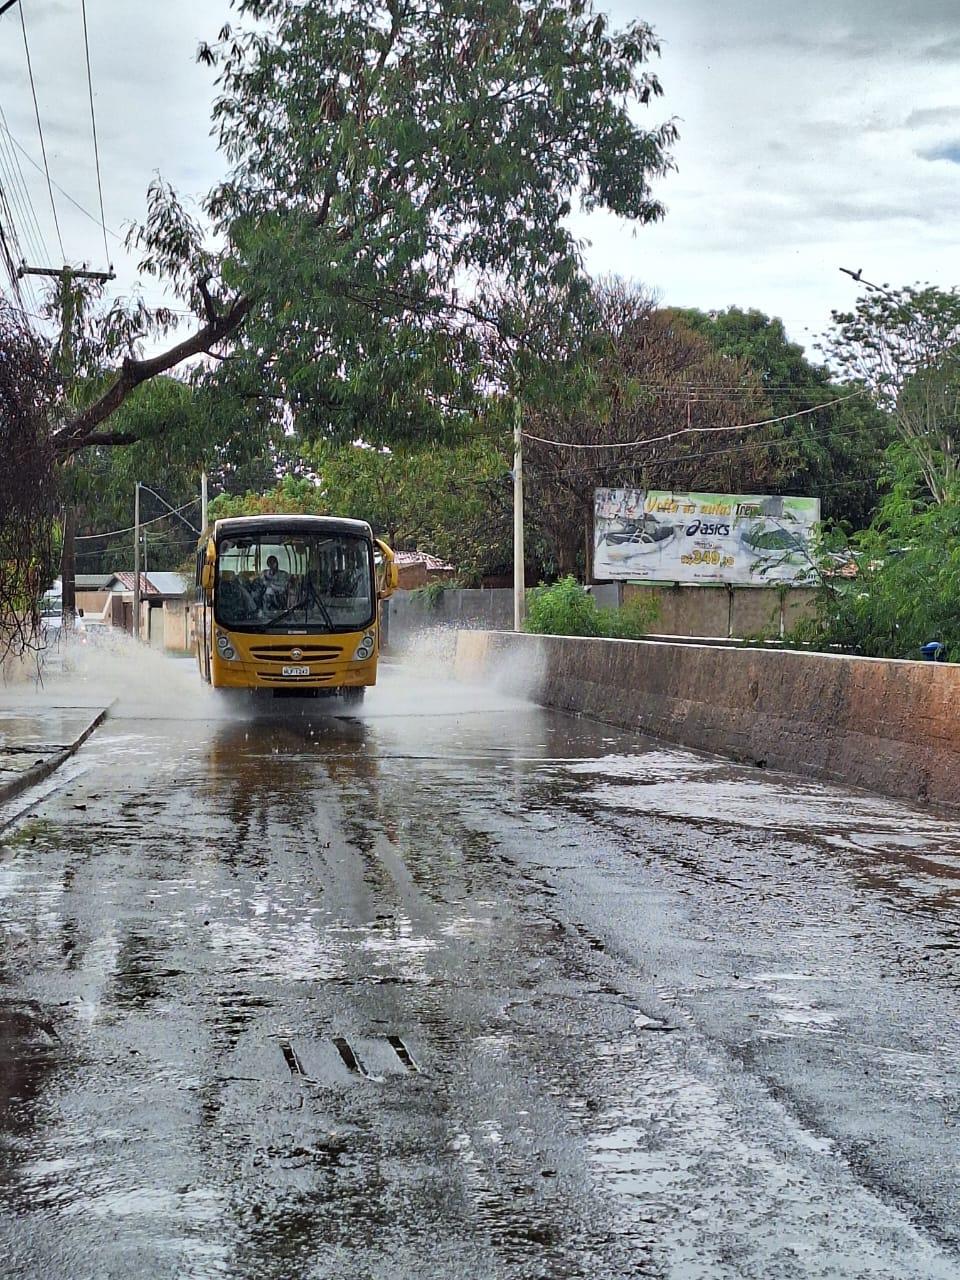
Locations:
(364, 648)
(225, 648)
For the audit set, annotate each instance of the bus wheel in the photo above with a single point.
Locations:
(353, 697)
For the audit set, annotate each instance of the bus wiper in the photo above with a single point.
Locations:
(304, 604)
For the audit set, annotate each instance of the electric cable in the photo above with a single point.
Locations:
(43, 149)
(66, 194)
(93, 126)
(684, 431)
(88, 537)
(30, 236)
(15, 179)
(780, 441)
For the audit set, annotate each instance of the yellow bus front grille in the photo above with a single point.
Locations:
(305, 653)
(310, 679)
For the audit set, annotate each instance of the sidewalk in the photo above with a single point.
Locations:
(40, 728)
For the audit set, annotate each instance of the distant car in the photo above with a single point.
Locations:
(51, 622)
(51, 618)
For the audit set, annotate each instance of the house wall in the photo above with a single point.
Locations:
(93, 602)
(176, 630)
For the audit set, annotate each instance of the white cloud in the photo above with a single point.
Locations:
(807, 134)
(813, 136)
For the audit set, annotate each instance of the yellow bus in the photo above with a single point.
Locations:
(292, 604)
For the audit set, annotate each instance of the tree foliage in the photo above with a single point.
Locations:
(451, 500)
(29, 495)
(176, 430)
(835, 453)
(625, 392)
(904, 344)
(383, 156)
(905, 567)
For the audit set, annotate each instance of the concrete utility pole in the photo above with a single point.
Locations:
(66, 275)
(519, 594)
(203, 502)
(136, 562)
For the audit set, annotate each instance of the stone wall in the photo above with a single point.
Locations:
(890, 726)
(726, 612)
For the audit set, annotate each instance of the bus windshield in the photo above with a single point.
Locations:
(290, 581)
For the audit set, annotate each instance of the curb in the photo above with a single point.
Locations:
(38, 772)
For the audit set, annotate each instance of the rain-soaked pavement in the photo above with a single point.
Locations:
(462, 988)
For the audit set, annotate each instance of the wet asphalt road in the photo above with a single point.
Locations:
(467, 989)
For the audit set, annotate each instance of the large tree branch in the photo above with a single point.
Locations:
(110, 438)
(77, 433)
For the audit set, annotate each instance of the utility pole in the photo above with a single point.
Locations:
(519, 599)
(203, 502)
(136, 562)
(67, 275)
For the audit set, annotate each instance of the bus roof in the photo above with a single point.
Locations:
(234, 525)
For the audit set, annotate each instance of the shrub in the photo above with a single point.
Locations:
(565, 608)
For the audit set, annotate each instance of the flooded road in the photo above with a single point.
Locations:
(462, 988)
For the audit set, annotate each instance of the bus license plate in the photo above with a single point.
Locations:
(295, 671)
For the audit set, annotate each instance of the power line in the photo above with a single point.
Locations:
(43, 149)
(684, 431)
(32, 235)
(602, 467)
(93, 126)
(66, 194)
(88, 537)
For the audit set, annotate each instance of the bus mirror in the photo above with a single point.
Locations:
(388, 574)
(208, 566)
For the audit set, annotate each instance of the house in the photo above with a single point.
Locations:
(164, 607)
(417, 568)
(107, 598)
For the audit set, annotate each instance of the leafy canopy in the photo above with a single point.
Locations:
(835, 453)
(904, 344)
(907, 566)
(389, 163)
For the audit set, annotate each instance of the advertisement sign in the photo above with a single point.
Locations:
(745, 539)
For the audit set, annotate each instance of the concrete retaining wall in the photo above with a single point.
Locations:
(889, 726)
(413, 612)
(709, 611)
(722, 611)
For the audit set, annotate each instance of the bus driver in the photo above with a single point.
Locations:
(274, 582)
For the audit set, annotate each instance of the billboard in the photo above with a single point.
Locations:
(739, 538)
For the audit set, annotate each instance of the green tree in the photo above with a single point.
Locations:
(386, 160)
(450, 499)
(904, 344)
(834, 453)
(382, 154)
(175, 431)
(625, 390)
(892, 587)
(29, 497)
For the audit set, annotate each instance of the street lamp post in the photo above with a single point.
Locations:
(136, 561)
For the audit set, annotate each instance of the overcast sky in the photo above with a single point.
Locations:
(812, 136)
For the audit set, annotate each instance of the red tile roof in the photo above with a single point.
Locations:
(146, 586)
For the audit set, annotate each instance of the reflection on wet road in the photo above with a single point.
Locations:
(466, 989)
